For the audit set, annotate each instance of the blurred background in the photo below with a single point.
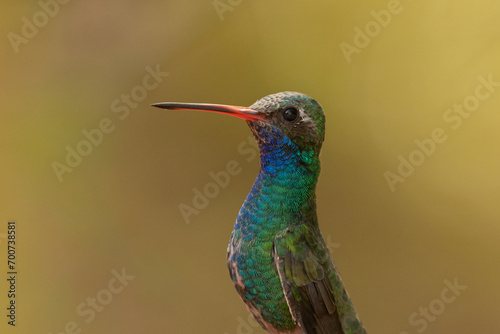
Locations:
(95, 177)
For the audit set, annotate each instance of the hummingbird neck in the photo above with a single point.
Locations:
(280, 156)
(284, 191)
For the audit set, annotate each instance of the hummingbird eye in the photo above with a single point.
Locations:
(290, 114)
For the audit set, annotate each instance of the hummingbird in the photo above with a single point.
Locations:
(277, 258)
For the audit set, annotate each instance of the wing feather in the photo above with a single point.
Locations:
(306, 286)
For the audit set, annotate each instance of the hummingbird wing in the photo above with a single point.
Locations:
(299, 254)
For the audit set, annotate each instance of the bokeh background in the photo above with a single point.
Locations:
(119, 207)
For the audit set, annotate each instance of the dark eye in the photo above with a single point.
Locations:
(290, 114)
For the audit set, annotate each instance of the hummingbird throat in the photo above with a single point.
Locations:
(284, 189)
(281, 155)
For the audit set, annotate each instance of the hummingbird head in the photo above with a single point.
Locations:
(293, 115)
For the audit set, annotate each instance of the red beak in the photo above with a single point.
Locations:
(240, 112)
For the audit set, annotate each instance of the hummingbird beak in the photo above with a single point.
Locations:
(240, 112)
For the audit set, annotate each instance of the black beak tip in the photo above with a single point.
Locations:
(159, 105)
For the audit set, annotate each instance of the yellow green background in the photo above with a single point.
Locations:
(119, 207)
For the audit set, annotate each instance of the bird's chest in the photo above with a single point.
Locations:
(255, 277)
